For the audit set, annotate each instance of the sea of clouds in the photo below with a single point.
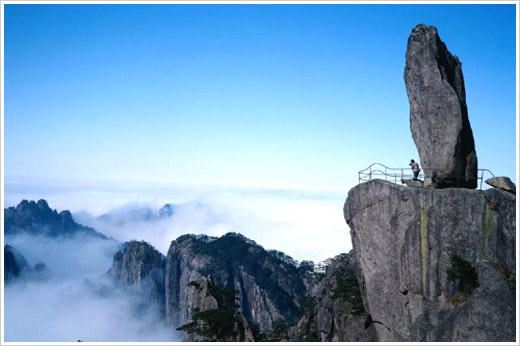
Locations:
(77, 301)
(74, 299)
(305, 224)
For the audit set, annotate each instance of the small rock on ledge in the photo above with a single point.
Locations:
(503, 183)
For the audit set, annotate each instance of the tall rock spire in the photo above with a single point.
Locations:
(438, 111)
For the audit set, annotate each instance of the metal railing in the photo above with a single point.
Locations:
(480, 176)
(395, 175)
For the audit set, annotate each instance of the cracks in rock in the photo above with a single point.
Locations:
(381, 323)
(332, 327)
(369, 321)
(367, 207)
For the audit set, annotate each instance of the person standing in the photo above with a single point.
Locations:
(415, 169)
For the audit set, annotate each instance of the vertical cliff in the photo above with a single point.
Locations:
(215, 315)
(436, 265)
(269, 286)
(182, 267)
(141, 266)
(334, 311)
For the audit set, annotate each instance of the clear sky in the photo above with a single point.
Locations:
(268, 95)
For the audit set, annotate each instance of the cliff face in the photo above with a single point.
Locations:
(335, 310)
(266, 287)
(215, 316)
(436, 265)
(269, 288)
(182, 267)
(140, 265)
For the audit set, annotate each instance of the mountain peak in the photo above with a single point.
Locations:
(30, 217)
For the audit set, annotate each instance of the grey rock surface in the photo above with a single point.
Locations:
(438, 112)
(140, 265)
(203, 300)
(269, 289)
(503, 183)
(412, 183)
(405, 240)
(183, 266)
(333, 314)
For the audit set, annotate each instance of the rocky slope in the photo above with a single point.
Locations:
(215, 314)
(269, 286)
(36, 218)
(334, 311)
(436, 264)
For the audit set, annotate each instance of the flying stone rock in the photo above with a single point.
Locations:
(438, 111)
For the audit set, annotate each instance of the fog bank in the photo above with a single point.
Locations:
(75, 300)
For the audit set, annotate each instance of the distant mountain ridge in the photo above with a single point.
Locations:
(135, 214)
(37, 218)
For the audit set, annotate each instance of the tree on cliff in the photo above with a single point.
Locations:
(220, 324)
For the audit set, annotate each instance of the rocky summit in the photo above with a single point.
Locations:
(436, 265)
(438, 111)
(270, 286)
(37, 218)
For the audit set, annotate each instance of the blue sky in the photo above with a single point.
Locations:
(264, 95)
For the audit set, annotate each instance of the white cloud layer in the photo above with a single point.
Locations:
(305, 224)
(76, 301)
